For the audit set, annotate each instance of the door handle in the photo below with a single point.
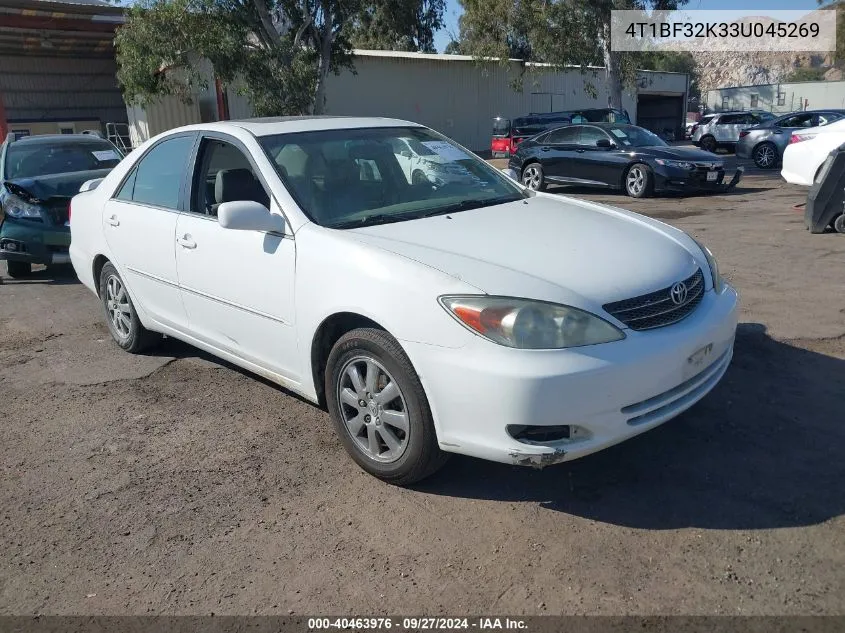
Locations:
(580, 151)
(113, 221)
(545, 149)
(778, 131)
(186, 242)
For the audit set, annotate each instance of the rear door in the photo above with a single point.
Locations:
(558, 150)
(139, 223)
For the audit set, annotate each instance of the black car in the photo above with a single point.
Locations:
(619, 157)
(40, 174)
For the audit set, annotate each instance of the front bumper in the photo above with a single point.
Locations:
(683, 181)
(605, 393)
(34, 242)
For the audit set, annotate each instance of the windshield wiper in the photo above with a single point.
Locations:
(467, 205)
(369, 220)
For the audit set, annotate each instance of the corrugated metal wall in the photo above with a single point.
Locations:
(60, 89)
(457, 97)
(166, 114)
(453, 95)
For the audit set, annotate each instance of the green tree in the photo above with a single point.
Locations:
(398, 25)
(281, 50)
(556, 32)
(806, 74)
(453, 48)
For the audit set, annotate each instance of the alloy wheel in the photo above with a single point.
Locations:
(373, 409)
(531, 177)
(635, 181)
(117, 305)
(764, 156)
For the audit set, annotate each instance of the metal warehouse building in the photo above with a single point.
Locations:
(783, 97)
(450, 93)
(57, 68)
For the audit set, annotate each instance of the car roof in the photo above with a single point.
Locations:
(269, 126)
(52, 139)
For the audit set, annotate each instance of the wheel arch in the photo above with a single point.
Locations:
(325, 336)
(97, 268)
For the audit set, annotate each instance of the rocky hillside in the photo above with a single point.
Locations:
(722, 69)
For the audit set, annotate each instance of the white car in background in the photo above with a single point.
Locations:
(807, 151)
(428, 162)
(476, 317)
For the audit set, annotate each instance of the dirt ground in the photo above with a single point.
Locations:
(172, 483)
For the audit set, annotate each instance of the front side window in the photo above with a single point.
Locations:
(358, 177)
(157, 178)
(224, 174)
(589, 135)
(31, 159)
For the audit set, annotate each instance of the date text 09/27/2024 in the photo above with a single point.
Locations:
(417, 623)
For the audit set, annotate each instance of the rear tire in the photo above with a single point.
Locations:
(121, 318)
(379, 408)
(765, 155)
(533, 177)
(708, 144)
(839, 223)
(18, 270)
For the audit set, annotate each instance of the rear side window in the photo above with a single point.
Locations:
(564, 136)
(157, 178)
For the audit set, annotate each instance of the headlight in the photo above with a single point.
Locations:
(527, 324)
(15, 207)
(680, 164)
(718, 284)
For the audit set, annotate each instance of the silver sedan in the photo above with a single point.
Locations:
(764, 143)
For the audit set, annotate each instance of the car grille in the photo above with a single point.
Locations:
(658, 309)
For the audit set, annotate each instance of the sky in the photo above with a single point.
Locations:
(454, 10)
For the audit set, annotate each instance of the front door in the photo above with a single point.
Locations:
(237, 286)
(139, 224)
(598, 165)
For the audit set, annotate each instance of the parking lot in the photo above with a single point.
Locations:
(174, 483)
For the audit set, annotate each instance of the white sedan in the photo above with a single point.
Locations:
(807, 151)
(471, 317)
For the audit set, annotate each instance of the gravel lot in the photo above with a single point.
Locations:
(173, 483)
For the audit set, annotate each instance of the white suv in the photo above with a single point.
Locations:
(722, 129)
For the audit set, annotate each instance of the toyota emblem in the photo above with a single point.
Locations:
(678, 293)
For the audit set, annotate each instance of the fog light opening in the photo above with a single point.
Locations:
(533, 434)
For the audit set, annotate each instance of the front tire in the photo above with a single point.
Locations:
(121, 318)
(533, 177)
(765, 156)
(839, 223)
(18, 270)
(639, 182)
(708, 144)
(379, 408)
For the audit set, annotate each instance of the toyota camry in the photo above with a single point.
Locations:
(428, 316)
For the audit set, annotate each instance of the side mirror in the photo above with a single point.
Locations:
(604, 143)
(90, 185)
(248, 215)
(510, 173)
(405, 153)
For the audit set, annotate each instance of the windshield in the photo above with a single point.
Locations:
(360, 177)
(501, 127)
(633, 136)
(31, 159)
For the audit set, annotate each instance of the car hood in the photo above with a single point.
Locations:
(53, 185)
(546, 247)
(680, 153)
